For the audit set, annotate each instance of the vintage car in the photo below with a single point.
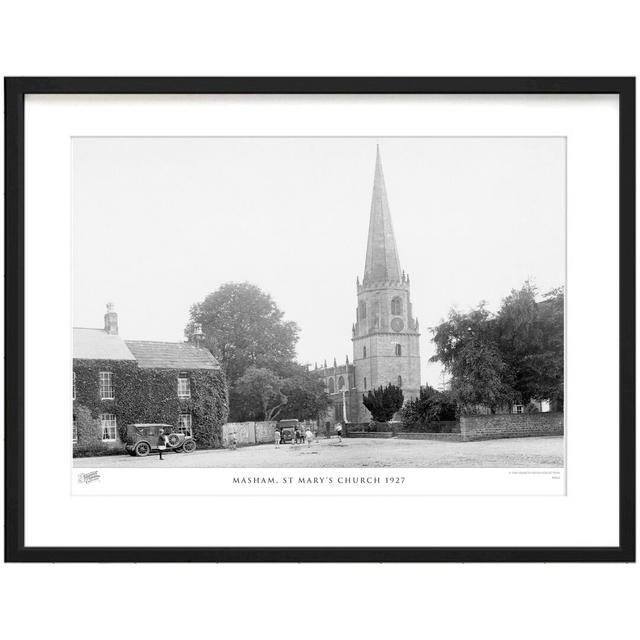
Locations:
(142, 439)
(288, 430)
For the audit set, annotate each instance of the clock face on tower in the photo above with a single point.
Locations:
(397, 324)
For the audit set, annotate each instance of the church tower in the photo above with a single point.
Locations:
(386, 336)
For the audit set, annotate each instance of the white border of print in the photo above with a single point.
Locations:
(539, 481)
(586, 516)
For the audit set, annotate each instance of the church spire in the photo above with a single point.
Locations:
(382, 263)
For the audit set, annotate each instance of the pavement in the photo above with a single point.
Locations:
(358, 452)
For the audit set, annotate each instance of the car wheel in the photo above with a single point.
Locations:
(142, 449)
(178, 449)
(174, 438)
(189, 446)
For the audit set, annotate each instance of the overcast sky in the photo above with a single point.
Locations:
(158, 223)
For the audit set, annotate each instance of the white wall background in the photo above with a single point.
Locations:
(329, 38)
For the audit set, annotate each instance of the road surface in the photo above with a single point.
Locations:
(359, 452)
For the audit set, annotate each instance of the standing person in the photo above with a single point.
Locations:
(233, 441)
(277, 437)
(339, 431)
(162, 443)
(309, 436)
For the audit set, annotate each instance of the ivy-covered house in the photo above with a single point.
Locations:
(118, 382)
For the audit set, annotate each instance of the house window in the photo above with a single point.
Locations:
(365, 383)
(74, 431)
(398, 349)
(184, 388)
(340, 383)
(362, 309)
(396, 306)
(400, 381)
(108, 422)
(364, 352)
(106, 385)
(332, 386)
(74, 385)
(184, 424)
(518, 408)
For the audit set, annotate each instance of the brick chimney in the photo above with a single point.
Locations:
(111, 320)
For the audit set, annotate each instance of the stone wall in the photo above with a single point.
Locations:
(249, 432)
(265, 432)
(368, 427)
(511, 425)
(442, 426)
(373, 434)
(438, 437)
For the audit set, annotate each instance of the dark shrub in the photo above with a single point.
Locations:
(383, 402)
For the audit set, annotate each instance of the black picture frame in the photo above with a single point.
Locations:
(15, 91)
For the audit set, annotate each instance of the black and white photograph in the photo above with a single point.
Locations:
(387, 320)
(320, 320)
(318, 302)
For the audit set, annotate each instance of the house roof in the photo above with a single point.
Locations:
(171, 355)
(97, 344)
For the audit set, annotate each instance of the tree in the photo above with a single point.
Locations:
(261, 393)
(306, 394)
(244, 328)
(430, 406)
(513, 356)
(531, 340)
(549, 362)
(383, 403)
(480, 377)
(466, 345)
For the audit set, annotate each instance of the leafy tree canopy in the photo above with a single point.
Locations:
(512, 356)
(531, 339)
(246, 331)
(383, 402)
(244, 328)
(306, 394)
(261, 393)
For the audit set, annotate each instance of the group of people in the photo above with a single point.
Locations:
(299, 437)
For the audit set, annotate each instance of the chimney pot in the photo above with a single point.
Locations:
(111, 320)
(198, 336)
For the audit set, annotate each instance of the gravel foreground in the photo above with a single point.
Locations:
(360, 452)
